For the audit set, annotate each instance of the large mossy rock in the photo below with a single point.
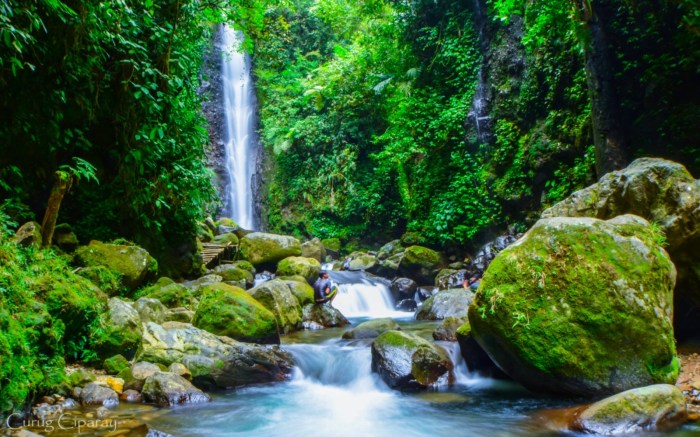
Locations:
(371, 329)
(174, 296)
(445, 303)
(121, 329)
(580, 306)
(29, 234)
(420, 263)
(658, 190)
(151, 310)
(405, 360)
(230, 311)
(309, 268)
(276, 296)
(300, 288)
(213, 360)
(132, 263)
(657, 407)
(235, 273)
(314, 249)
(319, 316)
(266, 250)
(168, 390)
(475, 357)
(360, 261)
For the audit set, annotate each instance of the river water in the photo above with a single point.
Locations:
(333, 391)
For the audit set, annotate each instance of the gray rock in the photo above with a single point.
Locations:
(168, 389)
(276, 296)
(151, 310)
(213, 360)
(445, 303)
(96, 394)
(319, 316)
(314, 249)
(371, 329)
(29, 234)
(403, 288)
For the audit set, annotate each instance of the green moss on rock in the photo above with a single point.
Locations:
(580, 306)
(230, 311)
(132, 263)
(308, 268)
(262, 249)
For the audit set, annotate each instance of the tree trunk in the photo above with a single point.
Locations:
(60, 186)
(608, 129)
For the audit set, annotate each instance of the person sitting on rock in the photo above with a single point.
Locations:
(472, 283)
(324, 290)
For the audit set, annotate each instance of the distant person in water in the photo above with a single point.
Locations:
(472, 283)
(324, 290)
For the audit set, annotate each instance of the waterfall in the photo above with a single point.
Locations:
(240, 136)
(363, 296)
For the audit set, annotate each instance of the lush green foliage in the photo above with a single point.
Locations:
(111, 89)
(46, 313)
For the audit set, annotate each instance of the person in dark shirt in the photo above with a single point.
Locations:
(324, 291)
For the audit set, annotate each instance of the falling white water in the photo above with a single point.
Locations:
(362, 296)
(240, 136)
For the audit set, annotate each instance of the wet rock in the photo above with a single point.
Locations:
(228, 310)
(308, 268)
(408, 305)
(276, 296)
(235, 273)
(131, 396)
(263, 249)
(391, 248)
(69, 404)
(653, 408)
(406, 360)
(168, 389)
(174, 296)
(180, 369)
(317, 316)
(475, 358)
(403, 288)
(46, 411)
(134, 264)
(102, 413)
(357, 261)
(580, 306)
(371, 329)
(445, 303)
(226, 239)
(447, 331)
(424, 293)
(97, 394)
(219, 361)
(489, 251)
(450, 278)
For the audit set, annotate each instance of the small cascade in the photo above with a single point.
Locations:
(362, 296)
(479, 113)
(240, 139)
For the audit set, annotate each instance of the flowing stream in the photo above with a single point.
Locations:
(241, 140)
(332, 391)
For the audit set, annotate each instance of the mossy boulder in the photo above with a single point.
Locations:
(132, 263)
(105, 279)
(659, 407)
(420, 263)
(266, 250)
(115, 364)
(391, 248)
(234, 273)
(174, 296)
(309, 268)
(29, 234)
(661, 191)
(276, 296)
(580, 306)
(226, 239)
(332, 244)
(214, 361)
(319, 316)
(411, 239)
(450, 278)
(314, 249)
(404, 360)
(445, 303)
(121, 329)
(230, 311)
(371, 329)
(300, 288)
(65, 238)
(360, 261)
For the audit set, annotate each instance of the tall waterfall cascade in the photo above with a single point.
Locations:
(240, 136)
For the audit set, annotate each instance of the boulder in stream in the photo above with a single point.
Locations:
(580, 306)
(319, 316)
(263, 249)
(371, 329)
(213, 360)
(168, 389)
(445, 303)
(276, 296)
(657, 407)
(404, 360)
(308, 268)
